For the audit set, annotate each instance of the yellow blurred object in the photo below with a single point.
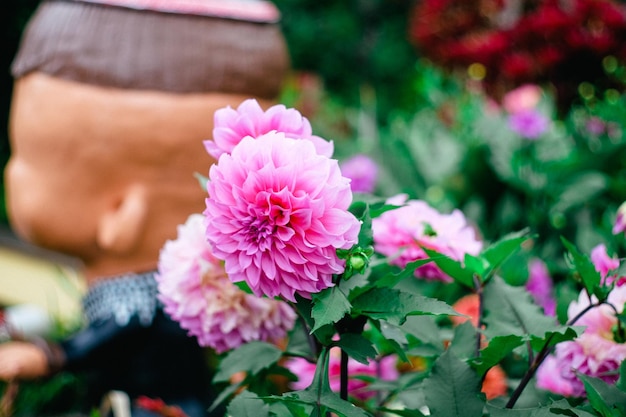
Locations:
(29, 275)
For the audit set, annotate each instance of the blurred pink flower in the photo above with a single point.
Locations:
(231, 126)
(594, 353)
(197, 294)
(590, 354)
(402, 232)
(603, 263)
(523, 98)
(277, 212)
(382, 369)
(540, 286)
(530, 124)
(620, 220)
(600, 319)
(363, 172)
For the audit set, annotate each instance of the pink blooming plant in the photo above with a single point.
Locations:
(383, 369)
(594, 353)
(402, 233)
(620, 220)
(277, 212)
(529, 124)
(363, 172)
(540, 286)
(523, 98)
(231, 126)
(196, 292)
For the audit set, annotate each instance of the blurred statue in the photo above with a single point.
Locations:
(111, 103)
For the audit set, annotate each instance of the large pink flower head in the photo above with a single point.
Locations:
(231, 126)
(383, 369)
(590, 354)
(594, 353)
(196, 293)
(277, 213)
(401, 233)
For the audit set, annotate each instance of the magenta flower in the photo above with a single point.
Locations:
(277, 212)
(231, 126)
(620, 220)
(401, 233)
(530, 124)
(603, 263)
(363, 172)
(539, 285)
(590, 354)
(594, 353)
(197, 294)
(383, 369)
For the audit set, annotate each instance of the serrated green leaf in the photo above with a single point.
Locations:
(453, 389)
(453, 268)
(227, 392)
(395, 305)
(357, 347)
(562, 407)
(320, 394)
(391, 279)
(248, 404)
(329, 306)
(463, 344)
(477, 264)
(604, 398)
(510, 310)
(290, 409)
(495, 351)
(583, 265)
(251, 358)
(496, 253)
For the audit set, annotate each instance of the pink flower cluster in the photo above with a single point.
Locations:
(383, 369)
(540, 286)
(196, 292)
(401, 234)
(277, 213)
(594, 353)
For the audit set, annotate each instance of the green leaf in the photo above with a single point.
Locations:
(496, 350)
(329, 306)
(498, 252)
(582, 188)
(319, 393)
(463, 344)
(452, 268)
(583, 265)
(395, 305)
(403, 413)
(453, 389)
(391, 279)
(357, 347)
(251, 358)
(603, 397)
(510, 311)
(248, 404)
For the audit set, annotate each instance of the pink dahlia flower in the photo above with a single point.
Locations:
(620, 220)
(231, 126)
(590, 354)
(383, 369)
(196, 293)
(363, 172)
(277, 213)
(540, 286)
(529, 124)
(401, 233)
(604, 263)
(594, 353)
